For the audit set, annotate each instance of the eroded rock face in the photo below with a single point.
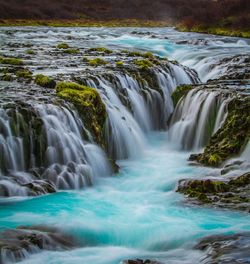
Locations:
(231, 138)
(225, 249)
(17, 244)
(234, 68)
(231, 193)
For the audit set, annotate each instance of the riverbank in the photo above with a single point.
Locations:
(221, 31)
(83, 23)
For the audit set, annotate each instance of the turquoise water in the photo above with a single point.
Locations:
(136, 213)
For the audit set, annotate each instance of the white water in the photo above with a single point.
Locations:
(136, 213)
(70, 161)
(197, 117)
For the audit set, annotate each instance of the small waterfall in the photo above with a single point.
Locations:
(49, 143)
(197, 117)
(137, 104)
(53, 150)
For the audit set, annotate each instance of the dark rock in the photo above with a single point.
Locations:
(231, 193)
(225, 249)
(140, 261)
(15, 244)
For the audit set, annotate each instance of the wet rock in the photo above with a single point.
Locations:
(233, 193)
(17, 244)
(140, 261)
(225, 249)
(39, 187)
(234, 68)
(231, 138)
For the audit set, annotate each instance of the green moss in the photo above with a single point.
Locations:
(143, 64)
(44, 81)
(11, 61)
(30, 52)
(89, 105)
(101, 49)
(214, 159)
(97, 62)
(232, 137)
(24, 73)
(71, 51)
(148, 55)
(63, 46)
(119, 63)
(7, 77)
(179, 92)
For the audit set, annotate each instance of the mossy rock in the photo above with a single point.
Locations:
(231, 138)
(71, 51)
(179, 92)
(119, 63)
(101, 49)
(7, 77)
(24, 73)
(30, 52)
(143, 64)
(63, 46)
(233, 193)
(89, 105)
(11, 61)
(97, 62)
(45, 81)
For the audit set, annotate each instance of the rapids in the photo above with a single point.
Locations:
(136, 213)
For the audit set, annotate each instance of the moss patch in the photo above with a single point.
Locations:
(143, 64)
(71, 51)
(179, 92)
(97, 62)
(231, 138)
(89, 105)
(24, 73)
(45, 81)
(63, 46)
(102, 50)
(11, 61)
(119, 63)
(30, 52)
(234, 193)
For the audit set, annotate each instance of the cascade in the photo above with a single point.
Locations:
(197, 116)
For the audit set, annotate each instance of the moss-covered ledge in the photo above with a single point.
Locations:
(231, 193)
(231, 138)
(89, 105)
(179, 92)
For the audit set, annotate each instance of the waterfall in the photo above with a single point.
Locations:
(55, 150)
(197, 116)
(46, 143)
(137, 104)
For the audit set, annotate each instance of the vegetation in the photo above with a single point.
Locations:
(71, 51)
(101, 49)
(233, 193)
(11, 61)
(97, 62)
(231, 138)
(143, 64)
(30, 52)
(24, 73)
(179, 92)
(119, 63)
(89, 105)
(219, 17)
(45, 81)
(63, 46)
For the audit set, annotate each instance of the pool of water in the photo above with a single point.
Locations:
(136, 213)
